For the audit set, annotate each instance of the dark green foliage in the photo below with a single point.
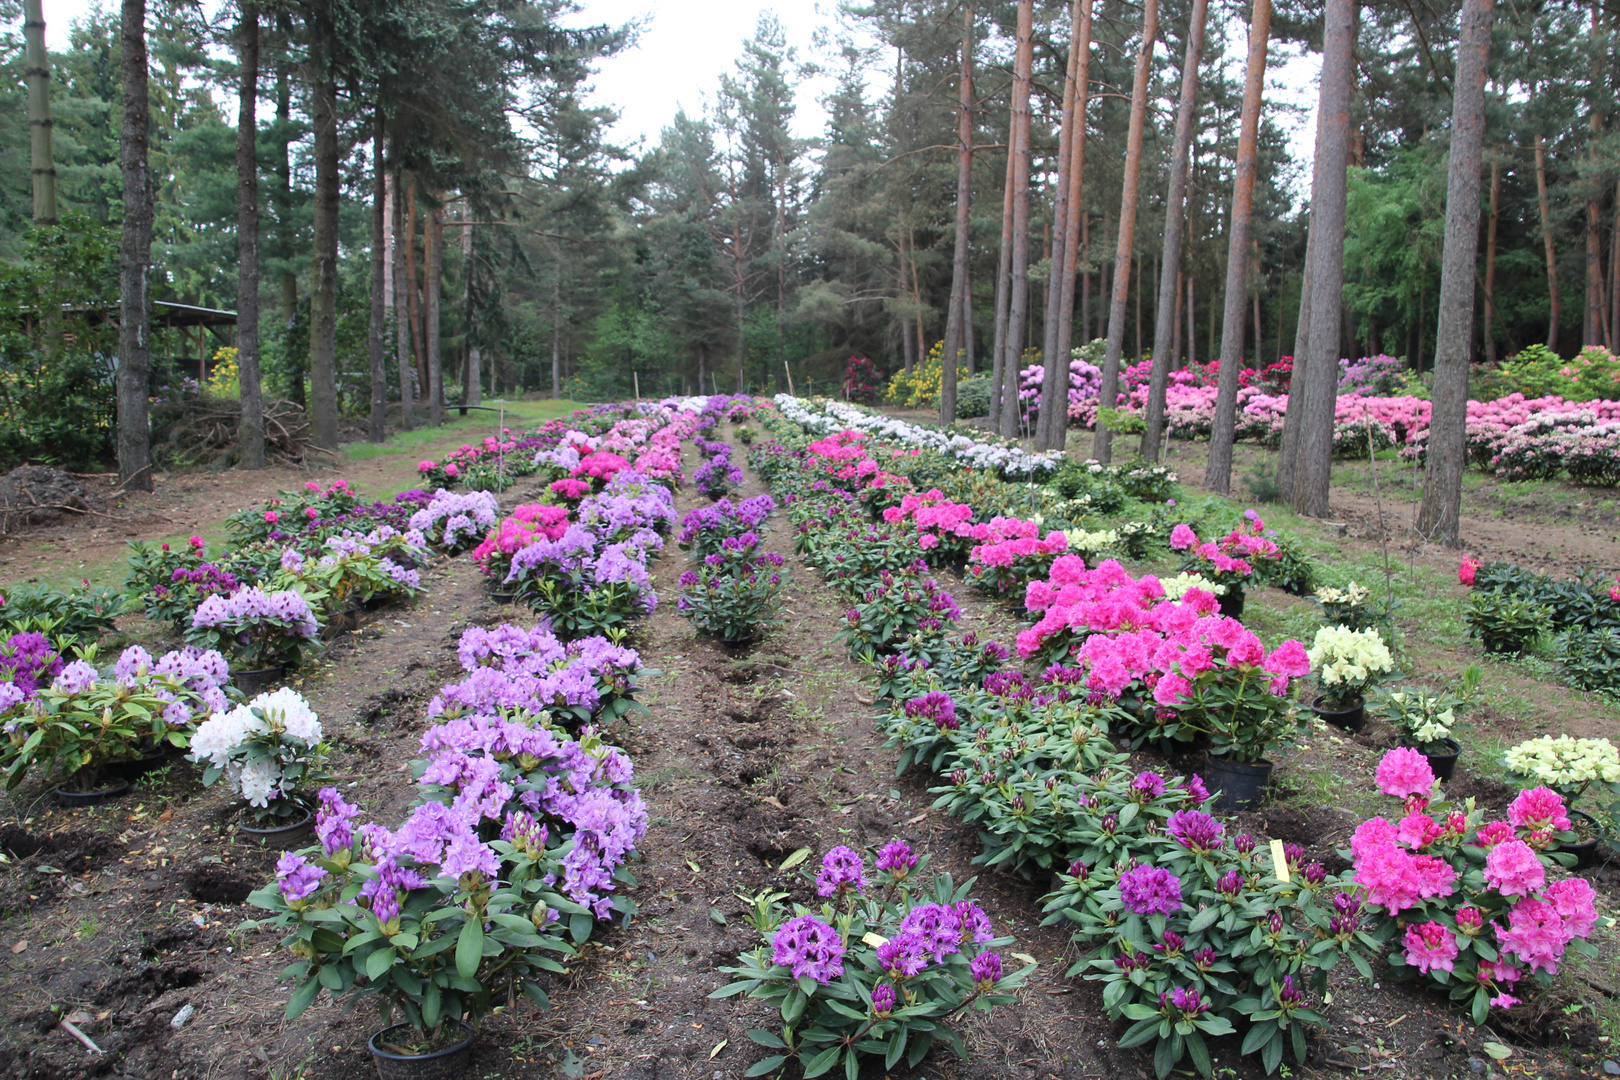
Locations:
(1504, 622)
(1591, 658)
(973, 397)
(72, 618)
(56, 394)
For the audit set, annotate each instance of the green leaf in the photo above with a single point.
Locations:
(1200, 1054)
(794, 859)
(378, 963)
(766, 1038)
(823, 1062)
(1497, 1050)
(302, 997)
(470, 949)
(765, 1065)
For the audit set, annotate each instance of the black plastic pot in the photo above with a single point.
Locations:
(1585, 852)
(254, 681)
(132, 769)
(1231, 605)
(502, 596)
(1353, 719)
(68, 796)
(446, 1064)
(1239, 786)
(286, 837)
(1444, 765)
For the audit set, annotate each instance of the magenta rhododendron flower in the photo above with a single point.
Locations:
(1539, 808)
(1404, 772)
(1493, 833)
(1536, 934)
(1466, 570)
(1150, 890)
(1430, 947)
(1514, 869)
(810, 947)
(1575, 901)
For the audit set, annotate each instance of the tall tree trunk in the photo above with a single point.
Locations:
(377, 422)
(323, 263)
(134, 258)
(433, 256)
(1192, 324)
(283, 165)
(250, 432)
(1545, 209)
(402, 306)
(1018, 282)
(1003, 262)
(37, 74)
(1302, 342)
(1164, 315)
(473, 369)
(1076, 231)
(1085, 276)
(413, 290)
(1314, 460)
(1102, 447)
(1490, 263)
(958, 320)
(1176, 320)
(1592, 332)
(1054, 387)
(556, 340)
(1612, 320)
(1441, 509)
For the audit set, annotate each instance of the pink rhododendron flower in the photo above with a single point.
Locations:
(1539, 808)
(1404, 772)
(1430, 947)
(1494, 832)
(1536, 934)
(1466, 570)
(1573, 898)
(1513, 869)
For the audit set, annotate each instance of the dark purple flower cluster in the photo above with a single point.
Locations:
(28, 662)
(808, 946)
(842, 871)
(937, 706)
(1150, 890)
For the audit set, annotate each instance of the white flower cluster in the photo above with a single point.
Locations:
(1089, 543)
(826, 417)
(1417, 715)
(1349, 658)
(224, 740)
(1352, 594)
(1566, 761)
(1177, 587)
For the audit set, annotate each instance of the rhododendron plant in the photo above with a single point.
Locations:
(1479, 901)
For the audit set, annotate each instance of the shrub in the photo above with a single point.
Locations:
(735, 592)
(1503, 622)
(973, 397)
(863, 382)
(883, 983)
(269, 750)
(1478, 909)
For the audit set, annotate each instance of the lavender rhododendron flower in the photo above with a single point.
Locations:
(842, 870)
(808, 946)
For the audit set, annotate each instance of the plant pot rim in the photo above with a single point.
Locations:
(1229, 763)
(67, 795)
(1456, 748)
(389, 1055)
(278, 830)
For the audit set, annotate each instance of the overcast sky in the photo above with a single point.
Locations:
(685, 46)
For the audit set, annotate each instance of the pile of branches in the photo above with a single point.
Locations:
(202, 431)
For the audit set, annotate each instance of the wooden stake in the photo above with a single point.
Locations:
(790, 378)
(637, 377)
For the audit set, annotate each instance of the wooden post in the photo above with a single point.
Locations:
(789, 378)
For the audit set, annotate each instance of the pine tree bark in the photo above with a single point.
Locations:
(556, 341)
(1223, 433)
(250, 431)
(1543, 205)
(376, 348)
(1164, 315)
(323, 262)
(1309, 490)
(1592, 324)
(402, 305)
(1192, 324)
(37, 74)
(1287, 455)
(413, 289)
(959, 315)
(1053, 385)
(283, 166)
(1102, 446)
(1076, 232)
(1490, 263)
(1018, 283)
(1440, 512)
(433, 256)
(134, 258)
(1003, 262)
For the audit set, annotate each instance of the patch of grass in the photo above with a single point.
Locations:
(476, 423)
